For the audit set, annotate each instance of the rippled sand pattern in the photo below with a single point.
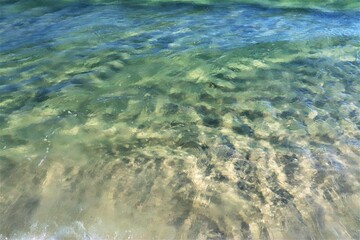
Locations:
(113, 132)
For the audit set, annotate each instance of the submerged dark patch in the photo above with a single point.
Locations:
(243, 130)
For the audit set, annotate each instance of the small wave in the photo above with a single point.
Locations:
(312, 4)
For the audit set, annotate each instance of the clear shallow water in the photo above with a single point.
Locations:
(179, 121)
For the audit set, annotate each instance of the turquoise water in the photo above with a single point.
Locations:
(179, 120)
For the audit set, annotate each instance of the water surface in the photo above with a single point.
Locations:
(179, 120)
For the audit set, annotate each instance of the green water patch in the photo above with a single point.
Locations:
(215, 143)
